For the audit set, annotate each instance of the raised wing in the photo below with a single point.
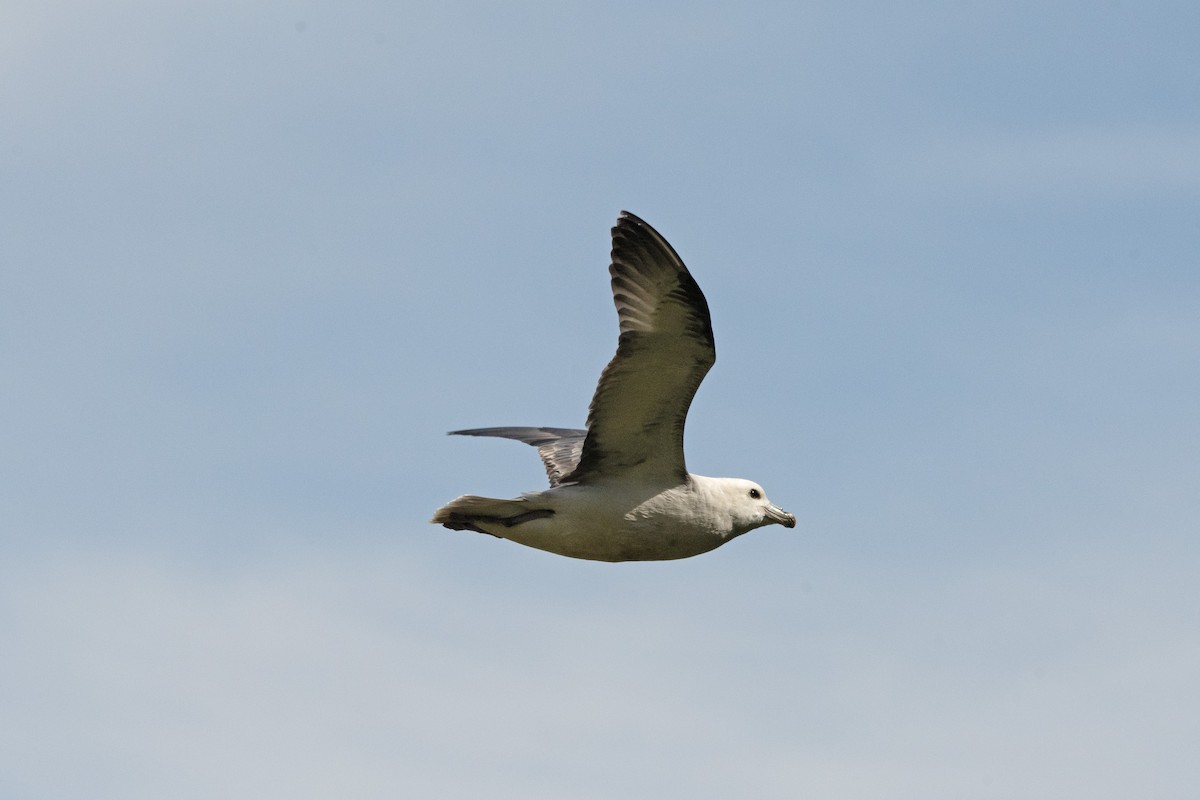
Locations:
(558, 447)
(636, 419)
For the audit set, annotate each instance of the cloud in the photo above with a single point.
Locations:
(377, 674)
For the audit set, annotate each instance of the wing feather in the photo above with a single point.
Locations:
(665, 348)
(559, 448)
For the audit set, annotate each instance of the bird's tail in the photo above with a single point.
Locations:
(469, 511)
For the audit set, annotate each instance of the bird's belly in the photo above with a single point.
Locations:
(611, 535)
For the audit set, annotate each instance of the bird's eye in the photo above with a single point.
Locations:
(755, 494)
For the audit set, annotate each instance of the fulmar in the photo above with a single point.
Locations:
(619, 490)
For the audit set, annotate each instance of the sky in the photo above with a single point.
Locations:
(256, 258)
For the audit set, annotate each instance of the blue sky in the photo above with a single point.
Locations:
(257, 257)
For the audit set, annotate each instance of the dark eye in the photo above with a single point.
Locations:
(754, 493)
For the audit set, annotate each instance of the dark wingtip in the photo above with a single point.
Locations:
(631, 225)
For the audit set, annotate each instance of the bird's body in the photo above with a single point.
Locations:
(619, 489)
(615, 520)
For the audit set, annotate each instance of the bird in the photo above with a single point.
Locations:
(619, 488)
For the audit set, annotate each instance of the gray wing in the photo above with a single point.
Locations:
(558, 447)
(636, 419)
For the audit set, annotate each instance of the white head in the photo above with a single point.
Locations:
(745, 502)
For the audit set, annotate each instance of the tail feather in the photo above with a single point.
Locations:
(466, 512)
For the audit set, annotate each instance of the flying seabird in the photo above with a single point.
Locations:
(619, 490)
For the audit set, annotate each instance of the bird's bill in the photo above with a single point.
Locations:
(777, 514)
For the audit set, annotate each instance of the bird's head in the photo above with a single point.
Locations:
(748, 505)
